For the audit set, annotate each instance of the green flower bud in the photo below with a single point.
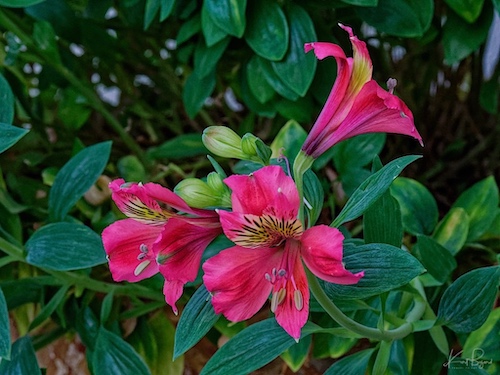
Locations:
(248, 144)
(222, 141)
(220, 188)
(197, 193)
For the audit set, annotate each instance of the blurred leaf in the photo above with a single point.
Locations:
(382, 222)
(65, 246)
(357, 152)
(404, 18)
(76, 177)
(372, 189)
(486, 338)
(461, 38)
(469, 10)
(115, 355)
(362, 3)
(289, 140)
(418, 206)
(297, 68)
(267, 30)
(211, 31)
(6, 102)
(73, 109)
(206, 58)
(490, 93)
(452, 231)
(19, 3)
(298, 110)
(229, 15)
(258, 84)
(5, 345)
(386, 267)
(10, 135)
(49, 308)
(355, 364)
(250, 349)
(196, 90)
(60, 17)
(188, 29)
(182, 146)
(23, 359)
(131, 169)
(481, 203)
(152, 9)
(166, 8)
(296, 355)
(466, 304)
(196, 320)
(437, 260)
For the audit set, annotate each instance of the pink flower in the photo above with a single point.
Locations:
(270, 246)
(356, 104)
(161, 234)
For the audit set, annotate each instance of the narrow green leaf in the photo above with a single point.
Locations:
(5, 344)
(404, 18)
(45, 38)
(386, 267)
(250, 349)
(196, 90)
(6, 102)
(76, 177)
(297, 354)
(229, 15)
(297, 68)
(258, 84)
(314, 195)
(398, 359)
(382, 222)
(355, 364)
(452, 231)
(152, 9)
(469, 10)
(466, 304)
(10, 135)
(267, 30)
(382, 358)
(211, 31)
(189, 29)
(166, 8)
(49, 308)
(372, 189)
(486, 338)
(164, 332)
(65, 246)
(180, 147)
(206, 58)
(365, 147)
(437, 260)
(196, 320)
(418, 206)
(116, 356)
(481, 203)
(23, 359)
(19, 3)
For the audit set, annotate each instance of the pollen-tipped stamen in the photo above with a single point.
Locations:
(141, 267)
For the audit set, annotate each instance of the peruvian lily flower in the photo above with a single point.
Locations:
(161, 234)
(271, 244)
(356, 104)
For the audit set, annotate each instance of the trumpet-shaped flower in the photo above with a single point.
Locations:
(270, 245)
(356, 104)
(160, 234)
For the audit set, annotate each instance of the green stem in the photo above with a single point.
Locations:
(364, 331)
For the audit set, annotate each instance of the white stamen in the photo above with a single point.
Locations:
(391, 84)
(298, 299)
(141, 267)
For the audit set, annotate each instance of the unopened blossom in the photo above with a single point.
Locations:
(357, 104)
(270, 246)
(160, 234)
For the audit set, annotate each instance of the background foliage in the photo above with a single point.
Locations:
(149, 76)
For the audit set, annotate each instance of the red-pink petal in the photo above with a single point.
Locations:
(122, 242)
(322, 253)
(172, 290)
(236, 279)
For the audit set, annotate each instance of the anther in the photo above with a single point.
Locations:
(391, 84)
(143, 248)
(298, 299)
(141, 267)
(141, 256)
(282, 272)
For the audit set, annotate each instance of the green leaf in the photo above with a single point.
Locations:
(386, 267)
(314, 195)
(418, 207)
(486, 338)
(382, 358)
(469, 10)
(250, 349)
(299, 110)
(23, 359)
(404, 18)
(6, 102)
(206, 58)
(297, 354)
(355, 364)
(188, 29)
(196, 90)
(166, 8)
(466, 304)
(357, 152)
(461, 38)
(19, 3)
(196, 320)
(436, 259)
(382, 222)
(372, 189)
(211, 31)
(289, 140)
(73, 109)
(180, 147)
(116, 356)
(489, 93)
(362, 3)
(5, 345)
(398, 360)
(274, 80)
(76, 177)
(131, 169)
(229, 15)
(297, 68)
(258, 84)
(481, 203)
(267, 30)
(452, 231)
(45, 38)
(10, 135)
(49, 308)
(152, 9)
(65, 246)
(262, 109)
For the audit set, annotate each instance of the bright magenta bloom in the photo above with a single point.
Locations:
(161, 234)
(270, 246)
(356, 104)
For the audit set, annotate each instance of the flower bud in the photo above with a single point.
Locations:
(220, 189)
(248, 144)
(200, 194)
(222, 141)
